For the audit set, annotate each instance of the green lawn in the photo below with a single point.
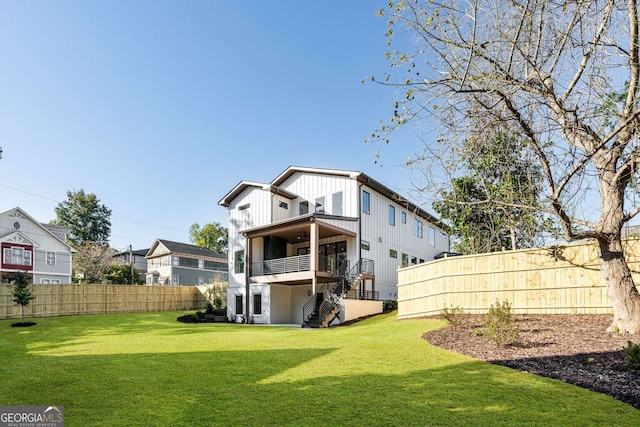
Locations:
(147, 369)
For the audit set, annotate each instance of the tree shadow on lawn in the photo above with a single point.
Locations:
(253, 388)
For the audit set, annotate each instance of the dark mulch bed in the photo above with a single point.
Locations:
(192, 318)
(572, 348)
(23, 324)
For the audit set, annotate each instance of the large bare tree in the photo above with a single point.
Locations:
(563, 74)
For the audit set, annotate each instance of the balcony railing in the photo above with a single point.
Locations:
(292, 264)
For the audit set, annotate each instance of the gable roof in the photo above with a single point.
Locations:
(362, 178)
(186, 249)
(42, 226)
(243, 185)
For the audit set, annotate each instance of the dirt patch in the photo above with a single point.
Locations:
(572, 348)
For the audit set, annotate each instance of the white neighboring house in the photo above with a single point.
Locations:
(41, 250)
(317, 246)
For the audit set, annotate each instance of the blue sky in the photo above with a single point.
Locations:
(160, 108)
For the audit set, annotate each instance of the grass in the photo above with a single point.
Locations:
(148, 369)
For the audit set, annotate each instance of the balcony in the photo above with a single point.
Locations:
(294, 264)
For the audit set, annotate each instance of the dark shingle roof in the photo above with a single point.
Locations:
(187, 249)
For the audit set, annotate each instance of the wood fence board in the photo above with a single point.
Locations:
(74, 299)
(563, 279)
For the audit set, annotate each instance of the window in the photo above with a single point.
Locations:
(283, 205)
(432, 236)
(201, 264)
(200, 280)
(50, 281)
(365, 245)
(243, 207)
(366, 202)
(417, 227)
(320, 205)
(304, 208)
(392, 215)
(17, 256)
(175, 281)
(175, 261)
(239, 304)
(405, 260)
(239, 262)
(336, 203)
(393, 253)
(187, 262)
(403, 217)
(215, 265)
(51, 258)
(257, 304)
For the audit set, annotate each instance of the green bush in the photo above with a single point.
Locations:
(631, 354)
(389, 305)
(453, 315)
(499, 325)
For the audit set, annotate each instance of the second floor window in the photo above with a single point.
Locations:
(17, 256)
(51, 258)
(304, 208)
(392, 215)
(239, 262)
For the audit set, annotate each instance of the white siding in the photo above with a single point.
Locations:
(383, 237)
(312, 186)
(256, 203)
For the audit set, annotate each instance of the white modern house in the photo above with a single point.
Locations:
(320, 246)
(40, 250)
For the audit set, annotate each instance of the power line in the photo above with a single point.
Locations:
(113, 216)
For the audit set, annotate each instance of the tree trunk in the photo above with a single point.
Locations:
(621, 289)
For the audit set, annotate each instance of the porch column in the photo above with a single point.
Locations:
(313, 252)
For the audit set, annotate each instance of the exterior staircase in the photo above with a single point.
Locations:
(325, 305)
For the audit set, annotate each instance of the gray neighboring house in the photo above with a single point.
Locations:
(181, 264)
(138, 256)
(40, 250)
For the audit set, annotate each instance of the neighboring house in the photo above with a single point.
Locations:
(41, 250)
(181, 264)
(306, 244)
(138, 257)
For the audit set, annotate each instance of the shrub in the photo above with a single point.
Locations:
(631, 354)
(210, 308)
(499, 324)
(389, 305)
(453, 315)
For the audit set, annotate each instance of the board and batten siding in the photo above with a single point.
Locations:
(256, 214)
(310, 187)
(383, 237)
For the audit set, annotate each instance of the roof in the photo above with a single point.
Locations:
(362, 178)
(45, 227)
(243, 185)
(186, 249)
(137, 252)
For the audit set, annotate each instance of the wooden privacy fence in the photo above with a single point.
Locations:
(561, 279)
(64, 300)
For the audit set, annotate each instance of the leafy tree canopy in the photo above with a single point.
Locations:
(91, 263)
(86, 219)
(211, 236)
